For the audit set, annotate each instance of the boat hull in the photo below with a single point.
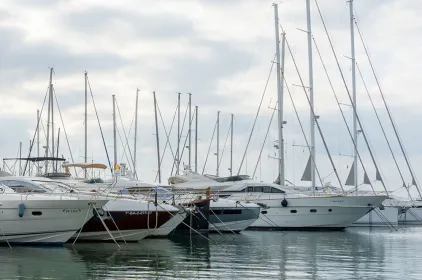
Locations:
(232, 217)
(314, 213)
(386, 217)
(129, 220)
(43, 221)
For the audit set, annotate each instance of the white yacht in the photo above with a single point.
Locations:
(282, 207)
(386, 215)
(126, 218)
(30, 216)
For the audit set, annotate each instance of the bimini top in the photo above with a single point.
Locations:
(85, 165)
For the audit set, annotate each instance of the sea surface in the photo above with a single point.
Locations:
(362, 253)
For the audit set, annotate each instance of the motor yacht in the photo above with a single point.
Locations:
(122, 218)
(32, 216)
(284, 208)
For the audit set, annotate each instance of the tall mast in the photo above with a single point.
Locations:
(280, 81)
(231, 146)
(218, 142)
(48, 120)
(136, 133)
(86, 121)
(58, 145)
(355, 131)
(114, 133)
(190, 129)
(38, 141)
(311, 93)
(178, 134)
(20, 158)
(52, 118)
(157, 139)
(196, 138)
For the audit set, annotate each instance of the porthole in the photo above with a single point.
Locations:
(330, 210)
(293, 211)
(312, 210)
(264, 212)
(36, 213)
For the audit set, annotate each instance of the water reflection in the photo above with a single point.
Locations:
(353, 254)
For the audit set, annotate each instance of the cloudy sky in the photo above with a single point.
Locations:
(221, 52)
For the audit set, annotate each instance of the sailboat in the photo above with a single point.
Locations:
(282, 207)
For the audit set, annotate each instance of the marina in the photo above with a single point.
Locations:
(176, 146)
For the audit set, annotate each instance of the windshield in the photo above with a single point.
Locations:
(232, 178)
(23, 186)
(51, 186)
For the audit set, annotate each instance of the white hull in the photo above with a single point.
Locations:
(389, 218)
(43, 221)
(169, 226)
(122, 235)
(314, 212)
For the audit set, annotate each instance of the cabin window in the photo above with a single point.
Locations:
(22, 186)
(275, 190)
(250, 189)
(293, 211)
(330, 210)
(259, 189)
(312, 210)
(267, 189)
(36, 213)
(264, 212)
(226, 212)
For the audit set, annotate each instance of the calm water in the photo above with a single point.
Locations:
(352, 254)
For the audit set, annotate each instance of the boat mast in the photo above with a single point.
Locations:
(311, 93)
(48, 120)
(157, 139)
(355, 131)
(231, 146)
(136, 132)
(38, 140)
(218, 141)
(20, 158)
(178, 135)
(86, 122)
(52, 119)
(196, 138)
(280, 81)
(190, 129)
(114, 133)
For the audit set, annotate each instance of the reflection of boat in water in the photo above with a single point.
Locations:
(40, 263)
(149, 259)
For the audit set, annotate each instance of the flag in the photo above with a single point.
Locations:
(116, 166)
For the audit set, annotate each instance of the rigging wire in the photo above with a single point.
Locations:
(36, 129)
(257, 114)
(382, 127)
(348, 93)
(209, 148)
(301, 127)
(263, 144)
(315, 119)
(414, 180)
(341, 110)
(64, 128)
(167, 136)
(99, 124)
(224, 146)
(178, 144)
(127, 142)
